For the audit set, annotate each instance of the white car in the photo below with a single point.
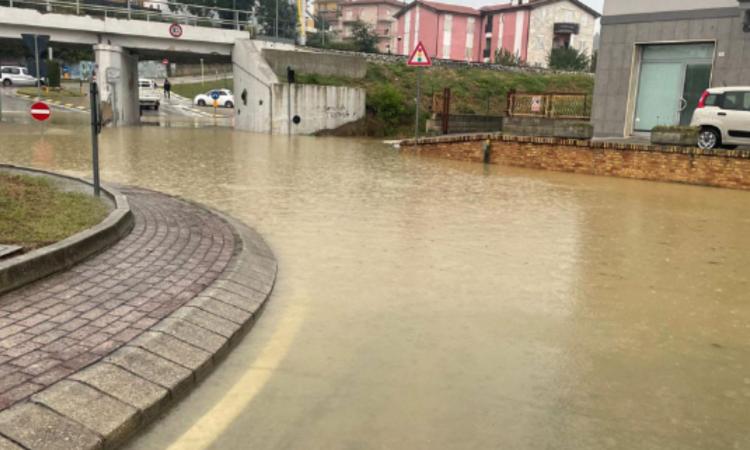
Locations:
(16, 76)
(148, 94)
(225, 98)
(723, 116)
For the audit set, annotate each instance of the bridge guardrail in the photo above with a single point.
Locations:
(157, 11)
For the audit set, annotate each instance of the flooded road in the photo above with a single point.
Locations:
(430, 304)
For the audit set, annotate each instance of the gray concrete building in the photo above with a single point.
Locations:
(657, 57)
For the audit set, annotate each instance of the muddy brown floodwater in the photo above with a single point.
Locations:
(430, 304)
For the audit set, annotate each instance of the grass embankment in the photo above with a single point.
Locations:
(190, 90)
(34, 213)
(391, 88)
(52, 93)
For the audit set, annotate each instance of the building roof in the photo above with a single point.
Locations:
(537, 3)
(458, 9)
(442, 7)
(346, 3)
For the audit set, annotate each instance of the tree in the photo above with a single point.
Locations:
(266, 15)
(365, 40)
(568, 58)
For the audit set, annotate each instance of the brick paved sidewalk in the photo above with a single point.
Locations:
(59, 325)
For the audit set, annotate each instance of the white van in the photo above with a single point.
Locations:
(16, 76)
(149, 95)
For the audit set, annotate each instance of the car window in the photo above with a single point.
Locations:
(144, 84)
(24, 71)
(739, 100)
(713, 100)
(14, 71)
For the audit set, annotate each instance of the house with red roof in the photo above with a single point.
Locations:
(527, 29)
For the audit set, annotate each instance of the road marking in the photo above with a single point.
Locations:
(213, 423)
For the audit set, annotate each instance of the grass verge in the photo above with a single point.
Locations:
(34, 213)
(53, 93)
(190, 90)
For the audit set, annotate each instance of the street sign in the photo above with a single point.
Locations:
(419, 57)
(215, 95)
(40, 111)
(175, 30)
(113, 74)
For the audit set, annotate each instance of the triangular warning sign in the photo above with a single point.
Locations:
(419, 57)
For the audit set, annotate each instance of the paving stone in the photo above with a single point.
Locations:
(207, 320)
(148, 397)
(8, 445)
(192, 334)
(89, 311)
(246, 302)
(153, 368)
(36, 427)
(107, 416)
(221, 309)
(175, 350)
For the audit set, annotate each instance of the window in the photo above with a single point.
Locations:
(737, 100)
(487, 45)
(469, 39)
(447, 33)
(488, 25)
(713, 100)
(12, 70)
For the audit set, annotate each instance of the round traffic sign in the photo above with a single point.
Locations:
(215, 95)
(40, 111)
(175, 30)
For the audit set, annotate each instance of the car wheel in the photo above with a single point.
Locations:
(7, 82)
(201, 102)
(229, 105)
(708, 139)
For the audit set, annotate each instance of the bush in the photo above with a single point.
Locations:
(507, 58)
(388, 105)
(53, 73)
(568, 59)
(364, 38)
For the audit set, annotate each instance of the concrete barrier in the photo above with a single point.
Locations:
(351, 66)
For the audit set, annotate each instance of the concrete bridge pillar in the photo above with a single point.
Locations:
(119, 90)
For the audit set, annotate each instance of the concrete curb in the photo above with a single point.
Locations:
(23, 269)
(107, 402)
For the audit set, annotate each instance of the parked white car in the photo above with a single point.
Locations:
(723, 116)
(225, 98)
(16, 76)
(149, 95)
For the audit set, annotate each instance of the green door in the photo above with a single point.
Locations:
(659, 93)
(697, 80)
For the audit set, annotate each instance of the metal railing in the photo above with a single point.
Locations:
(550, 105)
(150, 11)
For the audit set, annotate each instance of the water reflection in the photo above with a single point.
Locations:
(430, 304)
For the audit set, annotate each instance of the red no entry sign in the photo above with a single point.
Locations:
(40, 111)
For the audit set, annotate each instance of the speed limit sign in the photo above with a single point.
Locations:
(175, 30)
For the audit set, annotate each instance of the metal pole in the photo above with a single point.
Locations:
(129, 13)
(78, 7)
(289, 109)
(1, 106)
(36, 56)
(416, 122)
(203, 77)
(277, 19)
(93, 93)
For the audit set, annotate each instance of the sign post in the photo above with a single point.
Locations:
(96, 128)
(419, 58)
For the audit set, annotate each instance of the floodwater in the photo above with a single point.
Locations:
(431, 304)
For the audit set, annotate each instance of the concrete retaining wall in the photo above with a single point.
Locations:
(541, 126)
(720, 168)
(351, 66)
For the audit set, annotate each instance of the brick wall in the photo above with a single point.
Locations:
(721, 168)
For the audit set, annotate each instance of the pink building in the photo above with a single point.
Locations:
(528, 29)
(378, 14)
